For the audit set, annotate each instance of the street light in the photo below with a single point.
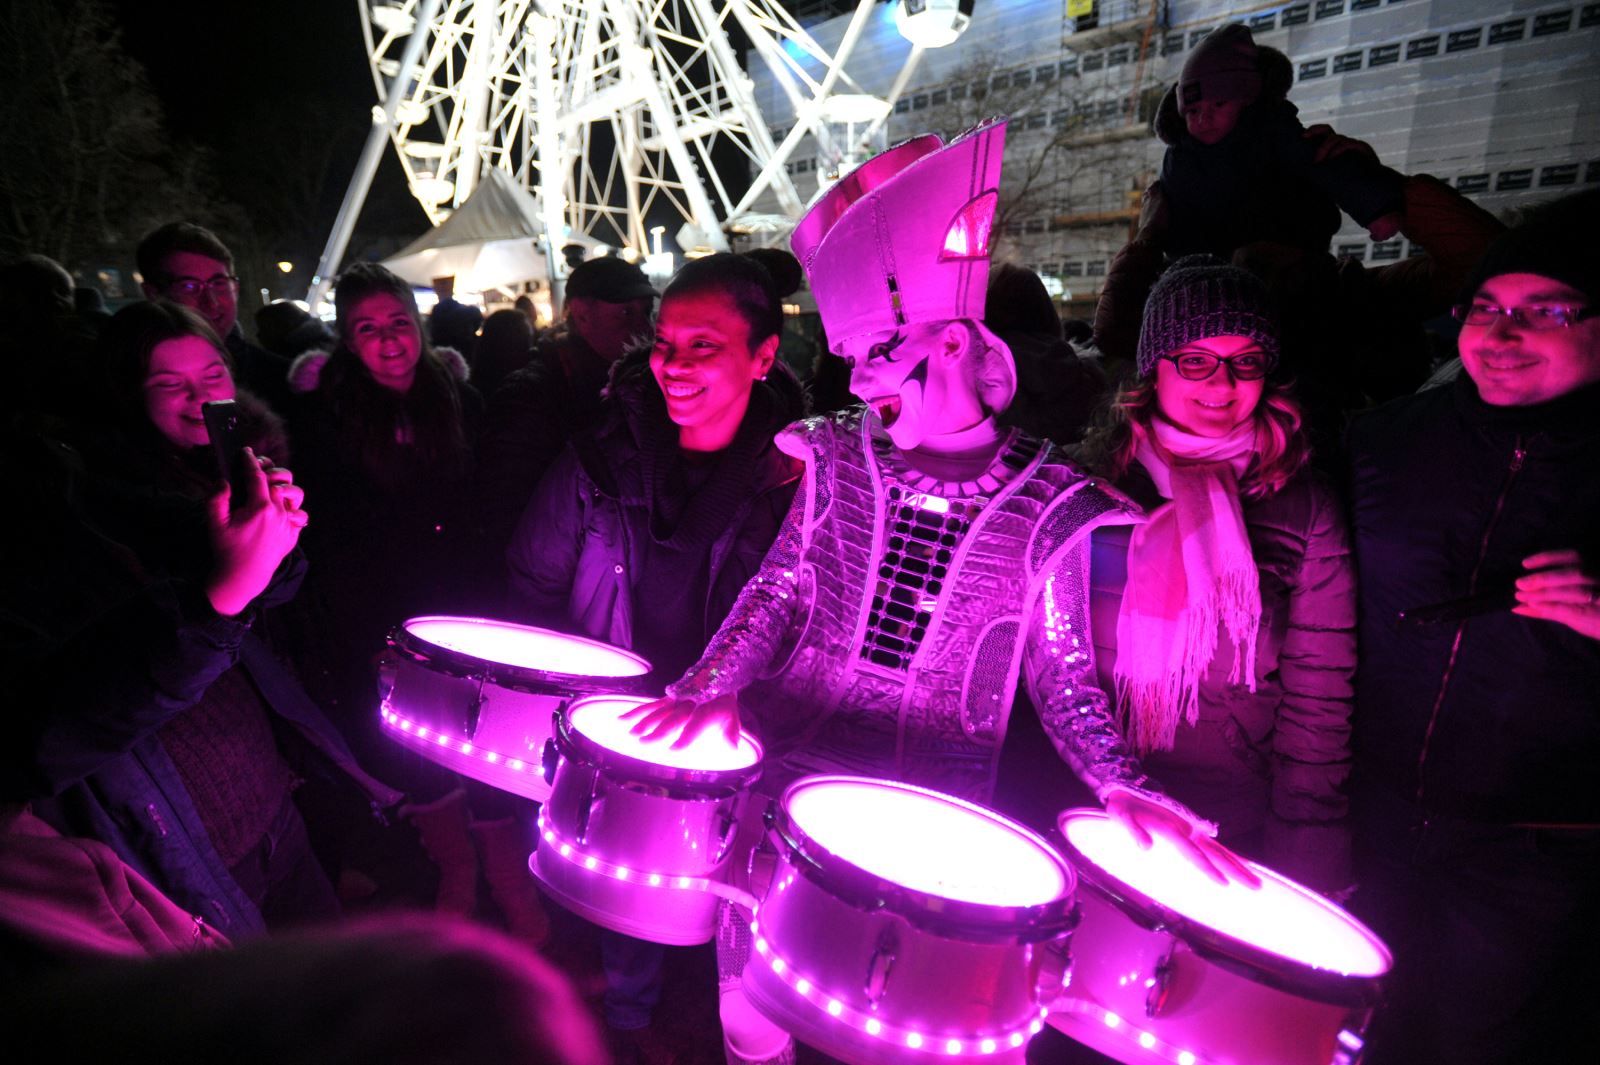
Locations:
(285, 266)
(933, 23)
(659, 262)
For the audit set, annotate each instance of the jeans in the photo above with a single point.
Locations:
(1493, 927)
(633, 979)
(282, 876)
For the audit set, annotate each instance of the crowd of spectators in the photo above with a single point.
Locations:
(1401, 712)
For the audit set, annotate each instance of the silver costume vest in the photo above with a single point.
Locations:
(886, 630)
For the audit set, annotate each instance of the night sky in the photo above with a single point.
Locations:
(253, 83)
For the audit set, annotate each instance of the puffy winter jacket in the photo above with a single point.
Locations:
(1268, 766)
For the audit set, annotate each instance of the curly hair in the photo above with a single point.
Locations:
(1283, 446)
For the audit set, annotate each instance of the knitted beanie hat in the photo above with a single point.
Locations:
(1554, 240)
(1201, 296)
(1223, 66)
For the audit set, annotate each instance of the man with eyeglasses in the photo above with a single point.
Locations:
(188, 264)
(1477, 729)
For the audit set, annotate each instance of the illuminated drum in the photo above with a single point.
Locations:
(902, 925)
(1170, 966)
(637, 836)
(478, 695)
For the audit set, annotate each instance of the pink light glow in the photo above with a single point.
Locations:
(969, 232)
(1281, 917)
(527, 647)
(597, 718)
(940, 846)
(976, 1043)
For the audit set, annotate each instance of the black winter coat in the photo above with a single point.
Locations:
(1496, 717)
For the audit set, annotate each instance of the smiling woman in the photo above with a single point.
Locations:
(1226, 623)
(648, 526)
(384, 423)
(692, 487)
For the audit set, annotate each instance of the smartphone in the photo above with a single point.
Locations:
(227, 444)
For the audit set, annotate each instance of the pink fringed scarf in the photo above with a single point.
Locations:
(1190, 572)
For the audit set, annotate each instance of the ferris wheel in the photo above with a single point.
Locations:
(610, 112)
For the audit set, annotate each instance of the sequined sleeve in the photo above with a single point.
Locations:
(1059, 659)
(759, 623)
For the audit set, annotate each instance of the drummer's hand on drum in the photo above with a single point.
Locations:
(1145, 820)
(660, 719)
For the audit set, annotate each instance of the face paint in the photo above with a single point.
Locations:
(889, 373)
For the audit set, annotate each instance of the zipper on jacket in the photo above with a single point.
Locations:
(1518, 455)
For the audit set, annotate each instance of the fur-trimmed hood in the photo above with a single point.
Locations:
(305, 372)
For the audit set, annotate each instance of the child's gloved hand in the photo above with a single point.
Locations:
(1386, 227)
(1331, 145)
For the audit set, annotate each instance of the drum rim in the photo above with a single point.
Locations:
(525, 679)
(1255, 963)
(971, 921)
(624, 769)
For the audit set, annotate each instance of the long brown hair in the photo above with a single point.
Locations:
(1282, 445)
(370, 415)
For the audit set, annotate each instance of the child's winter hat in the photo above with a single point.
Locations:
(1223, 66)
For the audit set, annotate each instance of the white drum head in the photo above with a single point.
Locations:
(931, 843)
(1281, 917)
(527, 647)
(598, 720)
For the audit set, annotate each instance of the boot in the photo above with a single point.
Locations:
(443, 827)
(504, 848)
(748, 1038)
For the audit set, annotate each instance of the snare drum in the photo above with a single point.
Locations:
(478, 695)
(636, 836)
(1170, 966)
(902, 925)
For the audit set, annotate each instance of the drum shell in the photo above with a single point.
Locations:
(648, 827)
(639, 826)
(836, 945)
(1218, 1011)
(456, 703)
(513, 724)
(896, 975)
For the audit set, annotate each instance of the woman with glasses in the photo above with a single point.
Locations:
(1226, 623)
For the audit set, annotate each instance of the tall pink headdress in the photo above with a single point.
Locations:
(904, 238)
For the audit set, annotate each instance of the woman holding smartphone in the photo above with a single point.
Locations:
(178, 760)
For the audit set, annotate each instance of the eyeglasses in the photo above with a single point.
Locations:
(1539, 318)
(1197, 365)
(191, 287)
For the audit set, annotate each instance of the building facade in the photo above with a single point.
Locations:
(1501, 99)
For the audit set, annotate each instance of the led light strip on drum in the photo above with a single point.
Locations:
(455, 746)
(1147, 1040)
(576, 855)
(889, 1033)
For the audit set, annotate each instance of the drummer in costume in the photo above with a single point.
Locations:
(931, 556)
